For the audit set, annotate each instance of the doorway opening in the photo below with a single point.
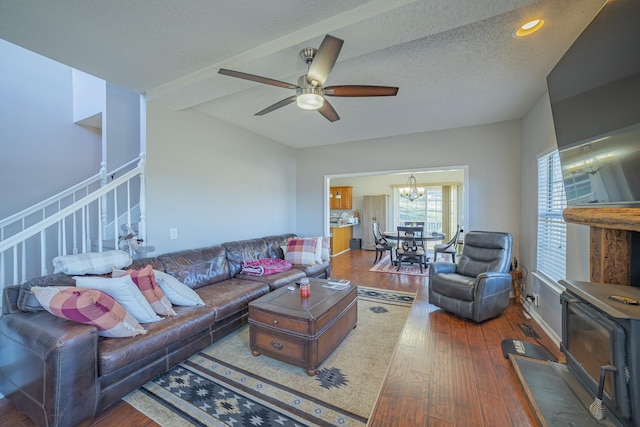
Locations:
(442, 207)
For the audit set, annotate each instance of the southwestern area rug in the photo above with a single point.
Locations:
(385, 266)
(224, 385)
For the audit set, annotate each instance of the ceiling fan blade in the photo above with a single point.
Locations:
(255, 78)
(324, 60)
(277, 105)
(360, 90)
(328, 111)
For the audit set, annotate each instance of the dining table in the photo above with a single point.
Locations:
(434, 236)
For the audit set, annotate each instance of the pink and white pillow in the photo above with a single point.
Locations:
(145, 281)
(304, 251)
(88, 306)
(123, 290)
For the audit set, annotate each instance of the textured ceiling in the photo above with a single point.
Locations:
(455, 61)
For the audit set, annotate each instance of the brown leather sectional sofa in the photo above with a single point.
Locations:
(62, 373)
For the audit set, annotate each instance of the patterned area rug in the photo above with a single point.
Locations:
(224, 385)
(385, 266)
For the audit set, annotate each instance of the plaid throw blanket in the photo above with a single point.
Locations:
(262, 267)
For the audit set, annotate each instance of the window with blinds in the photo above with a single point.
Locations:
(552, 230)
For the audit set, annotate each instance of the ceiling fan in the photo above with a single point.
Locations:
(310, 90)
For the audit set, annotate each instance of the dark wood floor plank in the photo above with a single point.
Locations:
(445, 372)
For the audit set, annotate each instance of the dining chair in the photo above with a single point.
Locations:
(450, 248)
(411, 247)
(382, 245)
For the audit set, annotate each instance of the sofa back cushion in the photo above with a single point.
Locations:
(275, 243)
(485, 251)
(197, 267)
(141, 263)
(28, 302)
(244, 250)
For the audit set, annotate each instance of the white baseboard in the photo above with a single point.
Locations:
(540, 321)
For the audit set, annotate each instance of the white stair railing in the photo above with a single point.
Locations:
(83, 218)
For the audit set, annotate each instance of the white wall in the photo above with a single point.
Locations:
(42, 151)
(538, 138)
(492, 153)
(122, 126)
(214, 182)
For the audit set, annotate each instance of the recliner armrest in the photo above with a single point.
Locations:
(491, 283)
(48, 367)
(442, 268)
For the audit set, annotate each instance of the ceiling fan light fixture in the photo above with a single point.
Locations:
(309, 100)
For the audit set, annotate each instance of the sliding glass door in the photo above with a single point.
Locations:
(440, 209)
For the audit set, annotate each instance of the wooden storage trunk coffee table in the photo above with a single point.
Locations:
(302, 331)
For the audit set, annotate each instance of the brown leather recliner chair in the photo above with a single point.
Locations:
(478, 286)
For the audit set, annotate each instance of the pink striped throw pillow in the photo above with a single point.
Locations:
(88, 306)
(145, 281)
(304, 251)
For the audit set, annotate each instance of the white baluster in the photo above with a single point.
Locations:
(102, 215)
(116, 228)
(16, 278)
(84, 228)
(102, 208)
(43, 253)
(75, 233)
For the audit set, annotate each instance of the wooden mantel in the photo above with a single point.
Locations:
(609, 240)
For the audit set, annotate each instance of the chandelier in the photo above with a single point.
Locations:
(411, 193)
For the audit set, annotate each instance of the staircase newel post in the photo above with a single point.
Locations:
(142, 226)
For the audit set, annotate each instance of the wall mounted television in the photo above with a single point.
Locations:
(595, 102)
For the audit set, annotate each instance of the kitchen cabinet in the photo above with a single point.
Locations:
(341, 239)
(344, 201)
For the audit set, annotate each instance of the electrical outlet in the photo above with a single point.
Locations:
(537, 300)
(173, 233)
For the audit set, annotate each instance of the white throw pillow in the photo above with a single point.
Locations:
(91, 263)
(325, 242)
(319, 250)
(177, 292)
(123, 290)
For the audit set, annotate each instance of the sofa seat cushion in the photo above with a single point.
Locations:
(454, 285)
(220, 300)
(116, 353)
(313, 270)
(232, 295)
(277, 280)
(198, 267)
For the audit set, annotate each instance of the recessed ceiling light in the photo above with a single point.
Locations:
(528, 28)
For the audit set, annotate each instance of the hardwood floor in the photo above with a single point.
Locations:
(444, 372)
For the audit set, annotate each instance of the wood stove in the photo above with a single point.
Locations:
(601, 340)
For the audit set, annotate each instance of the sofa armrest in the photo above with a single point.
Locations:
(48, 367)
(491, 283)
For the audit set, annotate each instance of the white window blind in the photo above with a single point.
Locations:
(552, 230)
